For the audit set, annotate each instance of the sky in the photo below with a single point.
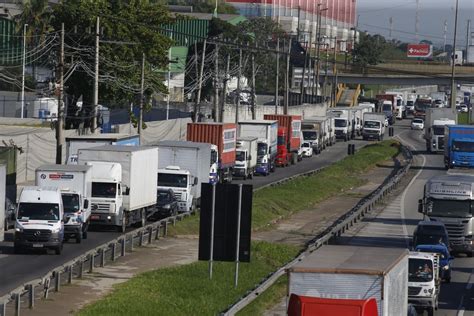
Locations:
(374, 17)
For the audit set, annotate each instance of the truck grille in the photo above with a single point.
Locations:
(455, 233)
(414, 290)
(36, 235)
(440, 142)
(177, 196)
(370, 131)
(101, 207)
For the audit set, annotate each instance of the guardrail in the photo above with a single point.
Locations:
(342, 224)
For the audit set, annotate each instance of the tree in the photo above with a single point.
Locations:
(37, 14)
(369, 50)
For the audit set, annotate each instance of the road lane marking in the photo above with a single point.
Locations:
(461, 307)
(469, 283)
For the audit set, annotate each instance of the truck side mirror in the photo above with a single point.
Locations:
(126, 191)
(250, 157)
(195, 181)
(86, 203)
(13, 216)
(420, 206)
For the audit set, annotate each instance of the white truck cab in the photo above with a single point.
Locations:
(423, 281)
(181, 182)
(39, 221)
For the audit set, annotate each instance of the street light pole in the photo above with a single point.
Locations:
(453, 66)
(23, 73)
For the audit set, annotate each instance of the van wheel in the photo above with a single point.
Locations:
(17, 249)
(58, 249)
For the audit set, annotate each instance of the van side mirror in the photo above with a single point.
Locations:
(126, 191)
(250, 157)
(420, 206)
(86, 203)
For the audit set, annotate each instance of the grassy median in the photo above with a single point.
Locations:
(274, 203)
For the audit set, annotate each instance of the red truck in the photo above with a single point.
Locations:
(222, 137)
(289, 138)
(306, 306)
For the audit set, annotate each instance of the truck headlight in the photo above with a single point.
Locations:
(430, 290)
(19, 229)
(56, 230)
(166, 207)
(446, 267)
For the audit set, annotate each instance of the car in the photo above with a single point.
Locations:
(166, 204)
(463, 108)
(430, 233)
(417, 123)
(444, 259)
(307, 149)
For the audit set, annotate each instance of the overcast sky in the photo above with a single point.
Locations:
(374, 16)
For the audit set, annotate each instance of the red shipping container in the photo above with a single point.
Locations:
(292, 123)
(306, 306)
(223, 135)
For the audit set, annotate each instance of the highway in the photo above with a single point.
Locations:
(394, 226)
(18, 269)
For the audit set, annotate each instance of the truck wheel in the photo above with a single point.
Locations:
(58, 249)
(430, 311)
(294, 159)
(469, 254)
(17, 249)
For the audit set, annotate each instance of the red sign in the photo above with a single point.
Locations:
(419, 50)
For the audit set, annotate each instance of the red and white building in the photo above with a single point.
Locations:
(338, 18)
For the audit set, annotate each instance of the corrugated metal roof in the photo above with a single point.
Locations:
(187, 32)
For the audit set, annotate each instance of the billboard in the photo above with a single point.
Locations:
(419, 50)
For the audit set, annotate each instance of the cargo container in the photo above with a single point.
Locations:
(309, 306)
(74, 143)
(354, 272)
(314, 132)
(124, 180)
(223, 136)
(435, 121)
(266, 132)
(459, 146)
(246, 157)
(183, 167)
(289, 138)
(75, 183)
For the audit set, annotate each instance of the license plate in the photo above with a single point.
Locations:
(95, 217)
(37, 245)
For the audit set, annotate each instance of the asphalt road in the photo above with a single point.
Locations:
(394, 226)
(18, 269)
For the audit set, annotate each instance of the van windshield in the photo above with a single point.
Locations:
(172, 180)
(71, 203)
(387, 108)
(310, 135)
(38, 211)
(104, 189)
(240, 156)
(420, 270)
(340, 123)
(372, 124)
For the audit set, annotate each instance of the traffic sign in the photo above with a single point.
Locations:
(419, 50)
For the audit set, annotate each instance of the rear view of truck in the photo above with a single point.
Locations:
(435, 121)
(289, 138)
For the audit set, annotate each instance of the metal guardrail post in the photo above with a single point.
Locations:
(46, 288)
(3, 309)
(102, 257)
(31, 296)
(140, 238)
(17, 304)
(150, 235)
(81, 269)
(123, 243)
(165, 229)
(70, 271)
(157, 236)
(57, 281)
(114, 250)
(91, 263)
(131, 243)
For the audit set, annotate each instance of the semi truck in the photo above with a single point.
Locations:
(245, 157)
(39, 220)
(423, 281)
(74, 143)
(344, 123)
(183, 167)
(75, 183)
(289, 137)
(266, 132)
(373, 126)
(223, 137)
(124, 180)
(448, 199)
(354, 272)
(435, 121)
(459, 146)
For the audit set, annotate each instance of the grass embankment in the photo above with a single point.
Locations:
(187, 290)
(463, 118)
(271, 204)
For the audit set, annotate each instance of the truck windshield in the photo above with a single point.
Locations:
(240, 156)
(463, 146)
(340, 123)
(372, 124)
(420, 270)
(213, 157)
(438, 130)
(38, 211)
(172, 180)
(261, 149)
(281, 140)
(310, 135)
(421, 106)
(104, 189)
(450, 208)
(71, 203)
(387, 108)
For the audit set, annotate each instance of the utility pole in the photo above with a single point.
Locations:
(216, 84)
(417, 20)
(239, 76)
(254, 114)
(198, 99)
(60, 121)
(142, 99)
(224, 89)
(391, 28)
(95, 92)
(277, 83)
(196, 59)
(303, 77)
(334, 80)
(287, 78)
(23, 73)
(468, 33)
(453, 66)
(445, 34)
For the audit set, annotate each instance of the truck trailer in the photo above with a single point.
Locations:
(289, 137)
(435, 121)
(352, 272)
(459, 146)
(246, 157)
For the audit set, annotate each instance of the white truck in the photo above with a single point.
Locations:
(75, 183)
(182, 167)
(352, 272)
(435, 121)
(314, 130)
(245, 157)
(423, 281)
(124, 180)
(266, 132)
(373, 126)
(39, 220)
(344, 122)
